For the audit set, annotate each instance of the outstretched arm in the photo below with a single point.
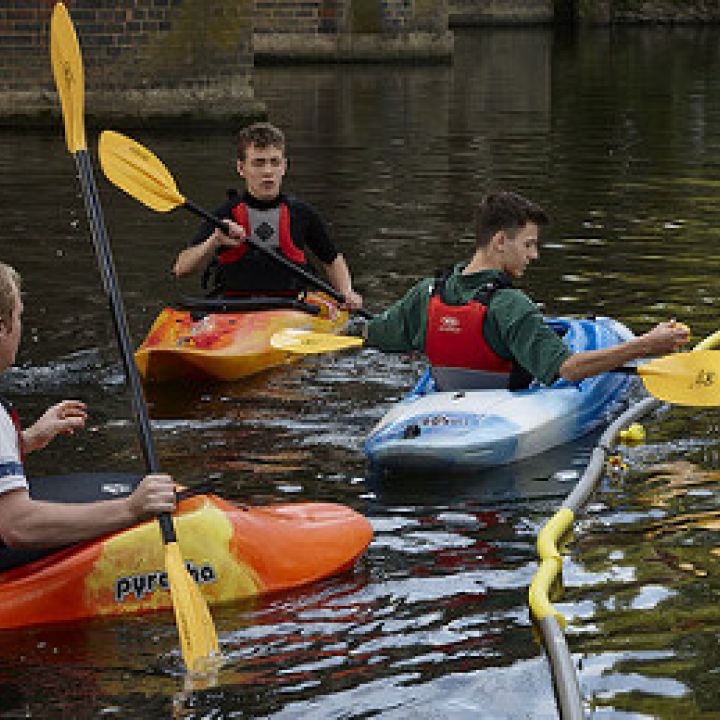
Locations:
(28, 523)
(64, 418)
(662, 339)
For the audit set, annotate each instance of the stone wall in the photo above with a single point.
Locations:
(142, 58)
(351, 30)
(648, 11)
(515, 12)
(308, 17)
(500, 12)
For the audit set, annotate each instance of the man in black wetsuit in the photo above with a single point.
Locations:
(282, 223)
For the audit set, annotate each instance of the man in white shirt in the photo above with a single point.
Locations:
(28, 523)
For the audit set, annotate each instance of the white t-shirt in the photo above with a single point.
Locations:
(12, 473)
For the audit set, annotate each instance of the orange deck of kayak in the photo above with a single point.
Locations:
(232, 552)
(228, 345)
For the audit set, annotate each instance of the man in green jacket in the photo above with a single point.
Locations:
(475, 320)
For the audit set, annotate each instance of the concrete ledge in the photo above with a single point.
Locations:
(156, 108)
(349, 48)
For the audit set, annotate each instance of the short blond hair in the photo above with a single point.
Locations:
(10, 283)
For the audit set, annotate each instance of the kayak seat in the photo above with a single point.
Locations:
(448, 379)
(76, 488)
(204, 306)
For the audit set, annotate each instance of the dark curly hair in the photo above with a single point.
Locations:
(506, 211)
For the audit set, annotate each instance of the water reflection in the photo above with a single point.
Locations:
(650, 594)
(618, 135)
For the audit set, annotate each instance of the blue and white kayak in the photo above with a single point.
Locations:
(463, 429)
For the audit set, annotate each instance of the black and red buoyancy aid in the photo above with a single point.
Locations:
(454, 336)
(15, 417)
(271, 227)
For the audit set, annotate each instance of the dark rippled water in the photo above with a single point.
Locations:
(618, 135)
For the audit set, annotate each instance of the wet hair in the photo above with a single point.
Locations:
(262, 135)
(505, 211)
(9, 283)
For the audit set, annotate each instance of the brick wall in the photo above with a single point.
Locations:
(300, 16)
(351, 31)
(168, 57)
(500, 12)
(130, 43)
(357, 16)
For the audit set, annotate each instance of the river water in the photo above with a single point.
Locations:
(617, 134)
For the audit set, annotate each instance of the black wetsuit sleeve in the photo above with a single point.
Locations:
(207, 228)
(308, 229)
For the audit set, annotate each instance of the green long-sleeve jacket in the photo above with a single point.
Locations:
(514, 327)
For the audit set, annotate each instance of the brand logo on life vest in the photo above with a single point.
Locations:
(448, 323)
(138, 586)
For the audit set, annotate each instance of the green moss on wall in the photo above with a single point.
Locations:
(365, 16)
(202, 35)
(430, 15)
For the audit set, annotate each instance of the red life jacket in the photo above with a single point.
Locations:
(454, 336)
(271, 227)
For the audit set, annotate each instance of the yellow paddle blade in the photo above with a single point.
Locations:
(134, 169)
(307, 342)
(67, 68)
(198, 638)
(691, 378)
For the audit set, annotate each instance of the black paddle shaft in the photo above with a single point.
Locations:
(287, 264)
(117, 309)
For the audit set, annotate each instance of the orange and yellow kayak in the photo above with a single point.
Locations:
(232, 552)
(230, 344)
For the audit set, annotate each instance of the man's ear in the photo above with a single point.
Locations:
(498, 240)
(240, 166)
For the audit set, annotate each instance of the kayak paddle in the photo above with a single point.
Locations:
(198, 638)
(308, 342)
(680, 379)
(142, 175)
(688, 378)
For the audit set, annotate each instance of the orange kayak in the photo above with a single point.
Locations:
(231, 343)
(232, 552)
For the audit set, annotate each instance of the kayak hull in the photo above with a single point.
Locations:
(232, 552)
(463, 430)
(183, 344)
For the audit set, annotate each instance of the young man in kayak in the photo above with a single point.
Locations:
(280, 222)
(474, 319)
(29, 523)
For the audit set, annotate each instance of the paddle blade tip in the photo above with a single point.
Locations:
(307, 342)
(691, 379)
(198, 637)
(67, 67)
